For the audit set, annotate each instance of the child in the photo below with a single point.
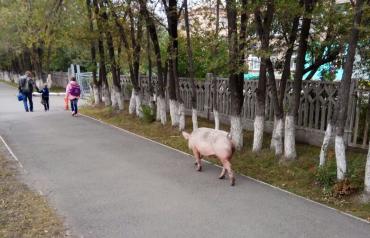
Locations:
(45, 97)
(73, 92)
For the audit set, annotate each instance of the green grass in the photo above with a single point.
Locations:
(23, 213)
(301, 177)
(55, 89)
(9, 83)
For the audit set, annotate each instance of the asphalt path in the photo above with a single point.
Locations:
(106, 182)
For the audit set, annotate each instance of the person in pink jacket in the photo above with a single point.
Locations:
(73, 93)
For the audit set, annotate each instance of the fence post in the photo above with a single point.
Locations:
(351, 113)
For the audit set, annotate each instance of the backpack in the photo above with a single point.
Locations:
(75, 90)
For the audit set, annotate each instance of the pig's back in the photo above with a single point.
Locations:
(209, 141)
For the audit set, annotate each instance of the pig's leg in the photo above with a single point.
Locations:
(197, 160)
(227, 166)
(223, 172)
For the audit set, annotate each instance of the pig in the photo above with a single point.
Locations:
(207, 141)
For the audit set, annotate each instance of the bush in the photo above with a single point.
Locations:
(326, 175)
(148, 114)
(129, 88)
(344, 188)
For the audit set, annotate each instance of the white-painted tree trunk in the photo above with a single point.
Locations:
(325, 144)
(259, 123)
(158, 113)
(236, 131)
(106, 95)
(273, 136)
(152, 103)
(181, 115)
(174, 113)
(289, 139)
(132, 104)
(340, 155)
(279, 130)
(367, 173)
(161, 110)
(139, 113)
(117, 99)
(194, 118)
(114, 99)
(97, 95)
(217, 119)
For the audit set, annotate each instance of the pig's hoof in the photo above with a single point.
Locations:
(232, 182)
(221, 177)
(199, 169)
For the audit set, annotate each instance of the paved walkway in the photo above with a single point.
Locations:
(108, 183)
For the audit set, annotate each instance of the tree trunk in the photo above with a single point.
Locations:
(161, 104)
(215, 108)
(367, 174)
(136, 44)
(235, 84)
(172, 20)
(96, 82)
(214, 80)
(116, 92)
(102, 69)
(191, 69)
(289, 146)
(344, 92)
(277, 137)
(260, 110)
(263, 29)
(124, 40)
(150, 78)
(325, 143)
(276, 140)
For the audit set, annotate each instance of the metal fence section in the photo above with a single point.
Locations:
(85, 80)
(317, 103)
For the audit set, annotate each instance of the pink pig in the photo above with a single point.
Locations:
(208, 141)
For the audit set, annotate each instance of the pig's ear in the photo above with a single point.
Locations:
(185, 135)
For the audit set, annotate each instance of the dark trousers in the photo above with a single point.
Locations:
(74, 105)
(29, 97)
(46, 103)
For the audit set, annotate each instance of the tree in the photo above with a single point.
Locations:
(96, 83)
(288, 19)
(344, 92)
(176, 105)
(235, 81)
(263, 25)
(214, 81)
(102, 66)
(289, 145)
(161, 104)
(26, 37)
(116, 95)
(191, 68)
(133, 49)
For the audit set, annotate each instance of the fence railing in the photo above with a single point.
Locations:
(317, 103)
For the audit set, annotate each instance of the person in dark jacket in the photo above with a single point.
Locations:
(45, 97)
(26, 87)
